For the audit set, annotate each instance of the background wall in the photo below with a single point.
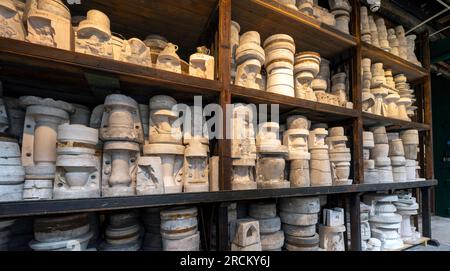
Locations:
(441, 142)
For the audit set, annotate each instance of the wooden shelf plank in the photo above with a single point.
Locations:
(291, 105)
(392, 124)
(269, 17)
(180, 22)
(390, 61)
(45, 207)
(26, 63)
(421, 241)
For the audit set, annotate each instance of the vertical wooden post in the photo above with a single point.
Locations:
(429, 170)
(355, 222)
(224, 147)
(426, 212)
(222, 227)
(428, 140)
(358, 163)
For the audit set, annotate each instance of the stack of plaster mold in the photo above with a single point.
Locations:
(306, 6)
(299, 217)
(365, 226)
(407, 206)
(379, 89)
(196, 140)
(93, 35)
(201, 64)
(296, 140)
(410, 139)
(136, 52)
(393, 42)
(395, 104)
(152, 223)
(43, 116)
(380, 154)
(306, 68)
(410, 54)
(331, 232)
(407, 94)
(234, 43)
(368, 99)
(78, 168)
(179, 229)
(320, 166)
(373, 32)
(288, 3)
(312, 9)
(243, 148)
(247, 236)
(12, 174)
(339, 89)
(341, 10)
(382, 35)
(402, 42)
(62, 233)
(156, 44)
(162, 166)
(397, 156)
(49, 24)
(272, 237)
(117, 42)
(322, 14)
(340, 156)
(321, 85)
(370, 172)
(11, 18)
(384, 222)
(279, 50)
(271, 162)
(123, 233)
(121, 132)
(365, 26)
(250, 57)
(367, 242)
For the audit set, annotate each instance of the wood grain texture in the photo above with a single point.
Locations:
(390, 61)
(269, 17)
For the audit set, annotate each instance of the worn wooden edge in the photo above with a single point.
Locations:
(45, 207)
(391, 124)
(16, 51)
(413, 72)
(262, 97)
(422, 241)
(306, 21)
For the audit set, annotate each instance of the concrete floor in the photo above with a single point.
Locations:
(440, 231)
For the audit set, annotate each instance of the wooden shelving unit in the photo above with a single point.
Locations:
(396, 63)
(30, 69)
(392, 124)
(47, 207)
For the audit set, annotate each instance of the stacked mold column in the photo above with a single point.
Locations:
(296, 140)
(121, 132)
(43, 116)
(299, 217)
(165, 143)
